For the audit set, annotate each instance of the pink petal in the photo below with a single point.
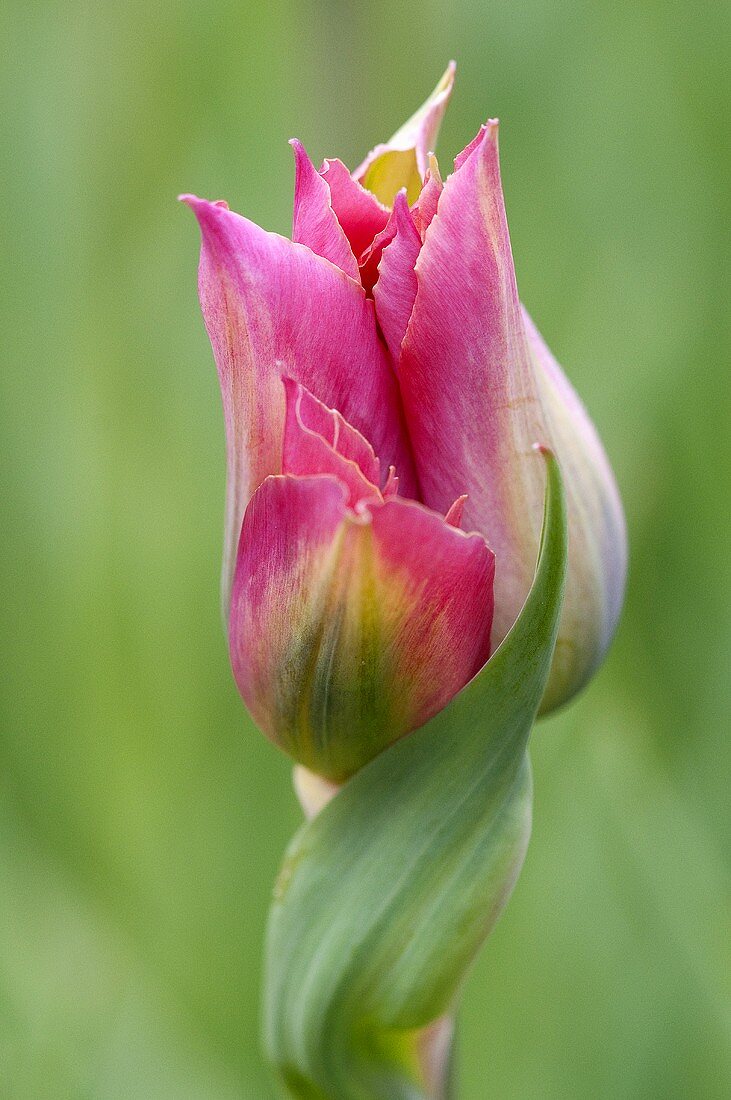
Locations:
(273, 308)
(318, 441)
(279, 597)
(358, 211)
(439, 628)
(490, 128)
(371, 258)
(477, 396)
(348, 631)
(395, 291)
(333, 427)
(597, 531)
(426, 207)
(314, 221)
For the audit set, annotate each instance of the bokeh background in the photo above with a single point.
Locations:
(142, 818)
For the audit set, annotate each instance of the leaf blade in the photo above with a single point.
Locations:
(386, 896)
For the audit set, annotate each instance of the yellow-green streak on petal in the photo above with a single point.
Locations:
(345, 687)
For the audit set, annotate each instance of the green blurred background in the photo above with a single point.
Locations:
(142, 818)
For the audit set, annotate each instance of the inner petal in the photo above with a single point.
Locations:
(317, 440)
(391, 171)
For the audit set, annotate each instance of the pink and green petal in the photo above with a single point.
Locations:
(264, 299)
(314, 222)
(478, 395)
(402, 162)
(395, 290)
(287, 554)
(349, 630)
(436, 606)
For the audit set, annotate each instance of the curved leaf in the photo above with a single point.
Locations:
(386, 896)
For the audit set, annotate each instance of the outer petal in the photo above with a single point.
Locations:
(359, 212)
(478, 393)
(314, 222)
(348, 631)
(274, 308)
(597, 530)
(403, 161)
(395, 290)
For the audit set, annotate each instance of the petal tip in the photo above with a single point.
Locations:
(400, 202)
(446, 82)
(206, 212)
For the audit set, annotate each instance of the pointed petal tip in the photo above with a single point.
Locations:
(206, 212)
(300, 153)
(403, 219)
(454, 515)
(487, 135)
(291, 387)
(400, 203)
(446, 82)
(434, 172)
(492, 130)
(193, 202)
(403, 159)
(390, 489)
(314, 220)
(302, 161)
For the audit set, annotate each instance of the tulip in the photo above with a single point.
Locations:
(383, 389)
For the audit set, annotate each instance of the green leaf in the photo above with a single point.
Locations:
(387, 895)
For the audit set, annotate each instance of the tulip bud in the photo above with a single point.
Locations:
(392, 317)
